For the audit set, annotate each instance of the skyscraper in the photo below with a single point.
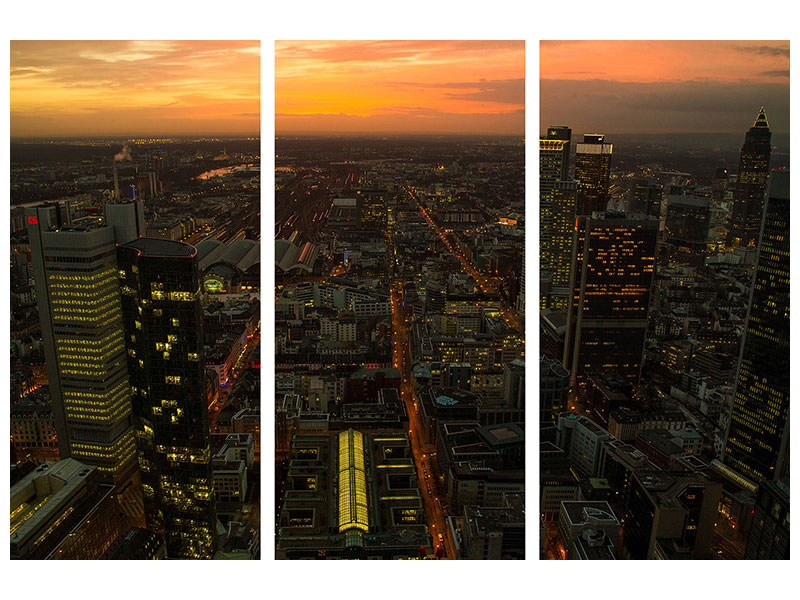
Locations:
(555, 163)
(557, 198)
(556, 242)
(614, 263)
(164, 337)
(592, 171)
(75, 270)
(719, 184)
(758, 435)
(748, 195)
(687, 226)
(645, 197)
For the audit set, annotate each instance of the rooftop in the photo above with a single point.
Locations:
(159, 247)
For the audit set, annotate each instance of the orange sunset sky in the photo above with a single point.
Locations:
(135, 88)
(437, 87)
(663, 86)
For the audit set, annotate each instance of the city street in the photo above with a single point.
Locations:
(490, 285)
(423, 453)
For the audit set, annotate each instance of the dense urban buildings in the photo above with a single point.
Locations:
(399, 308)
(399, 349)
(143, 340)
(664, 365)
(135, 308)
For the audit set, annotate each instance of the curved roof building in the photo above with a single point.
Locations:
(289, 256)
(241, 255)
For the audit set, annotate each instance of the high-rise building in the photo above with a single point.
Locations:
(563, 133)
(77, 286)
(593, 171)
(645, 197)
(557, 239)
(164, 337)
(748, 195)
(688, 220)
(758, 436)
(614, 263)
(687, 224)
(557, 200)
(554, 154)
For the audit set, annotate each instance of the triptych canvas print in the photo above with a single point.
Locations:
(384, 416)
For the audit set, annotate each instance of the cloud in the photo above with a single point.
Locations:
(136, 84)
(777, 73)
(501, 91)
(389, 50)
(768, 50)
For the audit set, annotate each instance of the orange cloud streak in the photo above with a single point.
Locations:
(655, 61)
(66, 88)
(399, 86)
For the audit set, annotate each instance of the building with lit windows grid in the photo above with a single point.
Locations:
(758, 436)
(613, 268)
(74, 265)
(593, 171)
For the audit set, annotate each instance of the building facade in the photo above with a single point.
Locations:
(74, 262)
(164, 338)
(593, 171)
(748, 195)
(758, 436)
(613, 268)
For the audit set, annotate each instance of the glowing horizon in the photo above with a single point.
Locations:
(390, 87)
(663, 86)
(135, 88)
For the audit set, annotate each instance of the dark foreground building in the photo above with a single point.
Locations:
(612, 274)
(64, 510)
(758, 437)
(769, 533)
(164, 337)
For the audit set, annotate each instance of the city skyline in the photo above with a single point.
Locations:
(414, 87)
(663, 86)
(135, 308)
(400, 301)
(134, 88)
(664, 370)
